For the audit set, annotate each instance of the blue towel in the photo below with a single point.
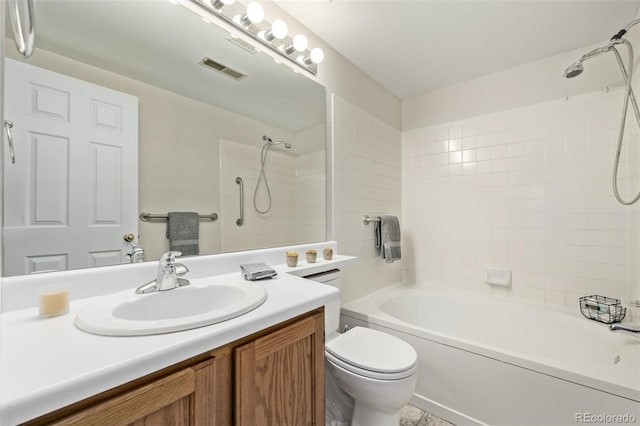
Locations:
(183, 229)
(387, 235)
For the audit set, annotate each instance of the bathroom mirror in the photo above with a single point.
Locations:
(194, 103)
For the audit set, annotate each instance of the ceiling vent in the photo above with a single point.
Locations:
(243, 44)
(215, 65)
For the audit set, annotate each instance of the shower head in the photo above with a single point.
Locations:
(271, 142)
(573, 70)
(577, 68)
(286, 144)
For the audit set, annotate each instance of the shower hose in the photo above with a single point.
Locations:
(263, 177)
(627, 75)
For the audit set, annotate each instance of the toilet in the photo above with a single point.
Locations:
(369, 375)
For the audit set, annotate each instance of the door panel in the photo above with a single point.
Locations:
(73, 191)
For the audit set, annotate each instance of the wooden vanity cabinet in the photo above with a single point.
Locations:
(274, 377)
(280, 377)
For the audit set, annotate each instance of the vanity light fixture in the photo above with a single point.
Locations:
(251, 21)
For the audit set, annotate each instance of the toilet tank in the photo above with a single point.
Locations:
(332, 310)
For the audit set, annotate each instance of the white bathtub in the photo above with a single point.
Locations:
(484, 360)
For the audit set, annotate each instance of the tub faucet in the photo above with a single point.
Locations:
(626, 329)
(168, 275)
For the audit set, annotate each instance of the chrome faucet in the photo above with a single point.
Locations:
(626, 329)
(137, 253)
(168, 275)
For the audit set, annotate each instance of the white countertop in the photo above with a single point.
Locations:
(46, 364)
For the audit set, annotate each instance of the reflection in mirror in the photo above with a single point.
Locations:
(124, 108)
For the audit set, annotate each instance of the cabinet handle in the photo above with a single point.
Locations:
(240, 220)
(7, 126)
(24, 42)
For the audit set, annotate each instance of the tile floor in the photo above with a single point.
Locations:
(413, 416)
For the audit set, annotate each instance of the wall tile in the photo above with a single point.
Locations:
(369, 165)
(530, 190)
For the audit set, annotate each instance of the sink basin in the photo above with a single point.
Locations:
(196, 305)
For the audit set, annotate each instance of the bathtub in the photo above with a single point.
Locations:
(483, 360)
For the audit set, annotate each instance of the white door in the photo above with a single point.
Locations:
(72, 193)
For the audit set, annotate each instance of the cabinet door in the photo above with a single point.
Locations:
(212, 401)
(200, 395)
(163, 402)
(280, 376)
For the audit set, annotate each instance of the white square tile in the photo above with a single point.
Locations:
(468, 168)
(455, 157)
(531, 183)
(483, 140)
(469, 142)
(500, 151)
(468, 155)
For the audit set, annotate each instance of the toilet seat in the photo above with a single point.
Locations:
(371, 353)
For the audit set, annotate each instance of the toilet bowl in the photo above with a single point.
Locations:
(377, 370)
(369, 375)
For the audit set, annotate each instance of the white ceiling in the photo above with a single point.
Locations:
(413, 47)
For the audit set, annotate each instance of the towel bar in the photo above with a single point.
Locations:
(367, 220)
(147, 217)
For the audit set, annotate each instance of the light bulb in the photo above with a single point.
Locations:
(255, 12)
(300, 59)
(317, 55)
(300, 43)
(279, 29)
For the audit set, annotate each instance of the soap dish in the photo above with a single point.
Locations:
(603, 309)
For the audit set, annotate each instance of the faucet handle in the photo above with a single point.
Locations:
(169, 258)
(181, 269)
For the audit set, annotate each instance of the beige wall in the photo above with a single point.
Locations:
(527, 84)
(341, 76)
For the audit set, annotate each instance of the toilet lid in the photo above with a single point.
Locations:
(373, 350)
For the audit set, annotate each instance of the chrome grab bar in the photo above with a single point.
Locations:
(24, 43)
(147, 217)
(12, 153)
(240, 220)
